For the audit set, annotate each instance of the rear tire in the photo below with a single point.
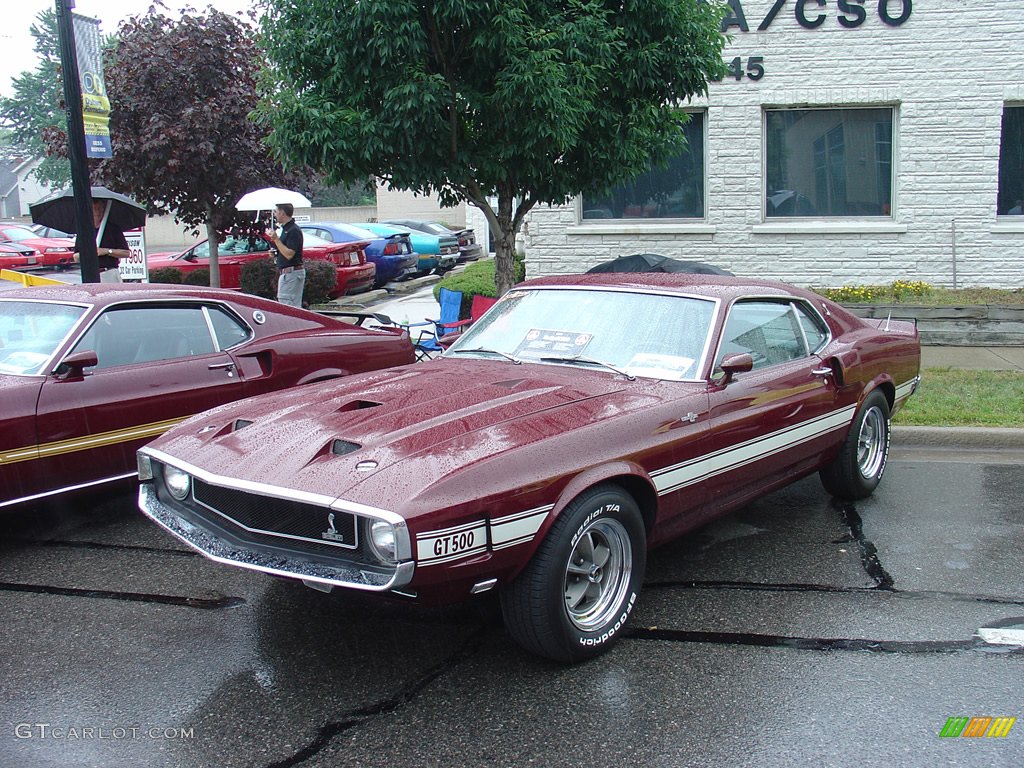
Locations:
(857, 470)
(577, 593)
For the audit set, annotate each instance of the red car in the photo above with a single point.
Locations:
(355, 274)
(18, 257)
(582, 420)
(51, 252)
(92, 372)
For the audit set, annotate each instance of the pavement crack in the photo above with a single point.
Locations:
(103, 546)
(753, 586)
(399, 699)
(223, 601)
(811, 643)
(868, 552)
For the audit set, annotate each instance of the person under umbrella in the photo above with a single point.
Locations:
(111, 244)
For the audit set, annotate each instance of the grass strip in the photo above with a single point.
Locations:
(951, 397)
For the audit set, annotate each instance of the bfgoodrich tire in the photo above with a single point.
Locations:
(577, 593)
(857, 470)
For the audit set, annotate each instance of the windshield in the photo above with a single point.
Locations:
(650, 335)
(31, 332)
(17, 234)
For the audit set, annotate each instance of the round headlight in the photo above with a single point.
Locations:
(382, 539)
(178, 482)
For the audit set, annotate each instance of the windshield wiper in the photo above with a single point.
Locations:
(587, 361)
(481, 350)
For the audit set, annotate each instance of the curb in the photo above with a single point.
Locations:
(991, 438)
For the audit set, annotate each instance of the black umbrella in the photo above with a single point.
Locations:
(653, 262)
(58, 210)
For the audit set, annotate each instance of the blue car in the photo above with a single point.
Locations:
(392, 254)
(438, 253)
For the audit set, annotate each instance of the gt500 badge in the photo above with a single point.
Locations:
(443, 546)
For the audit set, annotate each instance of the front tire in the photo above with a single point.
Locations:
(577, 593)
(857, 470)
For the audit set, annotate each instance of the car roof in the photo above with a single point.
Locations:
(106, 293)
(712, 286)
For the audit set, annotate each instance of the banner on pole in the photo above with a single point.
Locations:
(95, 104)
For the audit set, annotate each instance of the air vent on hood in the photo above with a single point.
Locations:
(341, 447)
(357, 405)
(240, 424)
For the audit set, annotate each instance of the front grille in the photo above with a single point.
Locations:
(326, 528)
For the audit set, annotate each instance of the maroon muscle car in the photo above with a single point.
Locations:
(90, 373)
(581, 421)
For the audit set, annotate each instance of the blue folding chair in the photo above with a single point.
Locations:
(427, 343)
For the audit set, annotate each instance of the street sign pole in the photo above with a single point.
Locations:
(76, 143)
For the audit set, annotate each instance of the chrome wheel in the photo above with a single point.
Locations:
(871, 442)
(597, 575)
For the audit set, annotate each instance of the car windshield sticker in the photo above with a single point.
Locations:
(672, 367)
(541, 343)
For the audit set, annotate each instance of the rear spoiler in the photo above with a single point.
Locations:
(360, 317)
(904, 326)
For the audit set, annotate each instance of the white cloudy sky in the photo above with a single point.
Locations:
(16, 43)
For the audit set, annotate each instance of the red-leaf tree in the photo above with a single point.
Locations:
(181, 92)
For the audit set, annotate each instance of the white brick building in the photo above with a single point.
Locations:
(889, 134)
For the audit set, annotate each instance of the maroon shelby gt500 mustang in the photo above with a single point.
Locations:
(581, 421)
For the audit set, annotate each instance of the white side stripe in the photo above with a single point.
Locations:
(690, 472)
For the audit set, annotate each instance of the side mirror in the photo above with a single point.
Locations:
(73, 366)
(737, 362)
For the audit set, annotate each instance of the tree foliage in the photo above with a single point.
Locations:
(181, 92)
(531, 101)
(35, 108)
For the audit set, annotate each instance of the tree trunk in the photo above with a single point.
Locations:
(504, 246)
(211, 236)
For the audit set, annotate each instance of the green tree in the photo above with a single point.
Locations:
(35, 109)
(181, 92)
(529, 101)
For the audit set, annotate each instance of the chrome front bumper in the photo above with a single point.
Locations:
(220, 551)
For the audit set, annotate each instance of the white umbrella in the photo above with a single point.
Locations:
(270, 197)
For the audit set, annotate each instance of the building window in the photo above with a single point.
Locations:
(1011, 163)
(673, 192)
(828, 162)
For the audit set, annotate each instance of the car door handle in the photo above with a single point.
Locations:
(229, 367)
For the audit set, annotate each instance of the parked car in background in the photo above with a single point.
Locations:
(469, 250)
(92, 372)
(51, 252)
(354, 273)
(582, 420)
(392, 255)
(437, 253)
(18, 257)
(44, 231)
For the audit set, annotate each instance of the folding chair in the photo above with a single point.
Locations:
(426, 344)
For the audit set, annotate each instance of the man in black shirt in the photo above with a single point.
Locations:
(111, 247)
(288, 256)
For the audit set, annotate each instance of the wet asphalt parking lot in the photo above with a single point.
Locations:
(797, 631)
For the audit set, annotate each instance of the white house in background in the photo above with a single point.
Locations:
(852, 142)
(19, 187)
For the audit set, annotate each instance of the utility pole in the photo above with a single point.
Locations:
(76, 144)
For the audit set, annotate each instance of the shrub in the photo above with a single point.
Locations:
(321, 279)
(877, 294)
(197, 277)
(259, 278)
(477, 280)
(167, 275)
